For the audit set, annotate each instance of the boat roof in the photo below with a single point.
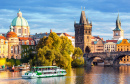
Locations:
(45, 67)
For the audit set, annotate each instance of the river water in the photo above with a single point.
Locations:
(88, 75)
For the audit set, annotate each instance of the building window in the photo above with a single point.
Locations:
(12, 57)
(16, 57)
(0, 56)
(32, 43)
(3, 56)
(86, 32)
(116, 34)
(27, 42)
(19, 30)
(121, 49)
(23, 42)
(11, 49)
(16, 50)
(25, 30)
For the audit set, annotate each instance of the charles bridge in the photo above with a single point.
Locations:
(109, 58)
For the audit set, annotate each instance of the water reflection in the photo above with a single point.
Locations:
(88, 75)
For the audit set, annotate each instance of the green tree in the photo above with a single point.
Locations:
(78, 59)
(17, 62)
(54, 49)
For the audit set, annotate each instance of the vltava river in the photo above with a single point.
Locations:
(93, 75)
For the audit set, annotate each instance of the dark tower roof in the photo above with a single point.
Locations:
(118, 23)
(83, 18)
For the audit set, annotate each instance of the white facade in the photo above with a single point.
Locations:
(110, 47)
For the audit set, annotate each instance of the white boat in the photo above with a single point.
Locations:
(44, 71)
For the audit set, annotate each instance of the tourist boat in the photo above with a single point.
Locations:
(44, 71)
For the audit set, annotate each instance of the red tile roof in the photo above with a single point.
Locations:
(2, 37)
(73, 37)
(11, 34)
(115, 41)
(25, 38)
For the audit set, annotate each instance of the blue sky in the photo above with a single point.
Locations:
(59, 15)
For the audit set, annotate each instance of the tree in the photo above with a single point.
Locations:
(78, 59)
(54, 49)
(17, 62)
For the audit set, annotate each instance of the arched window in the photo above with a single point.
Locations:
(19, 30)
(116, 34)
(25, 31)
(11, 49)
(121, 49)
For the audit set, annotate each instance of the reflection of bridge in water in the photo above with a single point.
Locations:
(109, 58)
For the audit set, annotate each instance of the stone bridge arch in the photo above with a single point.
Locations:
(89, 60)
(117, 59)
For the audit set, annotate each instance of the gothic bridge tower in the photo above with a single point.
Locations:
(83, 33)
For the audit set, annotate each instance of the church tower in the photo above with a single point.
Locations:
(83, 31)
(118, 33)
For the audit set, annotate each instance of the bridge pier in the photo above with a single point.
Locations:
(108, 63)
(87, 62)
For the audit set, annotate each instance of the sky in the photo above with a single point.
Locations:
(59, 15)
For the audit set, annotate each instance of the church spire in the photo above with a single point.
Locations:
(83, 18)
(118, 23)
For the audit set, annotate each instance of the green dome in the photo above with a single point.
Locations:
(19, 21)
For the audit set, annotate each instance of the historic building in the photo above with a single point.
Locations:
(3, 47)
(110, 46)
(118, 33)
(13, 45)
(83, 31)
(124, 45)
(20, 26)
(97, 46)
(18, 36)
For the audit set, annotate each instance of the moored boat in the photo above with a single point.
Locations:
(44, 71)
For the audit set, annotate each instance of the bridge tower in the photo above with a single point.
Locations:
(83, 33)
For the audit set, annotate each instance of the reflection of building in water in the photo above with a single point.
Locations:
(93, 75)
(122, 70)
(124, 45)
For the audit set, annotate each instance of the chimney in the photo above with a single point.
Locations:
(50, 30)
(46, 33)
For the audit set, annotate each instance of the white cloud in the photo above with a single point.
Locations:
(62, 20)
